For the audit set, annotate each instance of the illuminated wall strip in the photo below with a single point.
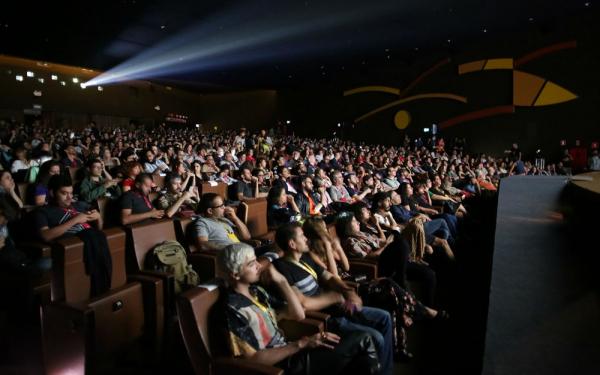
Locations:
(544, 51)
(483, 113)
(424, 75)
(413, 98)
(386, 89)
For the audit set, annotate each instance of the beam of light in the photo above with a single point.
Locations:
(239, 37)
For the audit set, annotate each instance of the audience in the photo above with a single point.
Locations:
(399, 205)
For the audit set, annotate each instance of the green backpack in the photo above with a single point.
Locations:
(170, 257)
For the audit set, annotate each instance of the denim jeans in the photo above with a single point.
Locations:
(378, 323)
(436, 228)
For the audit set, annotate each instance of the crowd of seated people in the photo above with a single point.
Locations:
(395, 205)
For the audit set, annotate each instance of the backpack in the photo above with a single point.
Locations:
(169, 256)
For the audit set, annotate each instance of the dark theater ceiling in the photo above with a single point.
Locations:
(304, 42)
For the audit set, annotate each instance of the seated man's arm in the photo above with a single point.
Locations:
(202, 243)
(127, 217)
(338, 285)
(49, 234)
(293, 309)
(319, 302)
(273, 356)
(241, 228)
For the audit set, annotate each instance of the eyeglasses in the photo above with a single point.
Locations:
(219, 206)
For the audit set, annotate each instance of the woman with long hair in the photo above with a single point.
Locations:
(325, 250)
(47, 170)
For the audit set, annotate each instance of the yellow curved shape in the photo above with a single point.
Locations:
(386, 89)
(402, 119)
(435, 95)
(553, 94)
(499, 64)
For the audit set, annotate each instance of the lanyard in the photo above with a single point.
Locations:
(265, 310)
(146, 200)
(72, 213)
(304, 266)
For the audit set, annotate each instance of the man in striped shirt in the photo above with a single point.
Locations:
(307, 279)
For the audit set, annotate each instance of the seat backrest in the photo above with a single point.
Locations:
(254, 215)
(193, 308)
(70, 283)
(183, 232)
(143, 237)
(220, 188)
(158, 180)
(73, 174)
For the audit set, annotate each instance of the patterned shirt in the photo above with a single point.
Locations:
(252, 323)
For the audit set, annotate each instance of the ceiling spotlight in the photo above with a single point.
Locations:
(530, 19)
(485, 30)
(30, 74)
(100, 88)
(37, 106)
(339, 125)
(83, 86)
(426, 130)
(40, 80)
(157, 108)
(75, 80)
(19, 78)
(587, 3)
(288, 122)
(37, 93)
(63, 83)
(54, 77)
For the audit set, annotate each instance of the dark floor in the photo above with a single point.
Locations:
(455, 347)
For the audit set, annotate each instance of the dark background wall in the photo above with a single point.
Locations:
(317, 111)
(72, 106)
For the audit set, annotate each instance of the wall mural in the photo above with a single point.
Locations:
(529, 90)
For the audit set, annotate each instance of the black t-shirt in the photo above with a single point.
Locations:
(244, 188)
(300, 277)
(136, 202)
(52, 216)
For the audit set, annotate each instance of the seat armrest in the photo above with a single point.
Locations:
(154, 309)
(168, 286)
(204, 263)
(224, 365)
(320, 316)
(64, 331)
(367, 268)
(35, 249)
(296, 329)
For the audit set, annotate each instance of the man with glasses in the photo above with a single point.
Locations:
(217, 225)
